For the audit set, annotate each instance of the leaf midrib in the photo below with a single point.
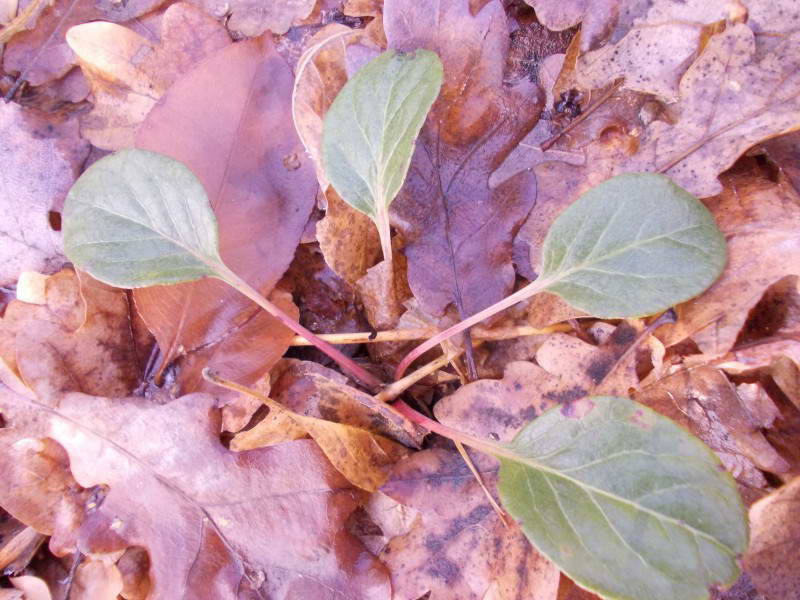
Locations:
(533, 464)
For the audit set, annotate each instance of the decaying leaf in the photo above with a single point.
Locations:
(225, 120)
(728, 101)
(129, 73)
(457, 230)
(704, 400)
(79, 340)
(656, 45)
(41, 158)
(212, 516)
(760, 220)
(772, 559)
(459, 548)
(250, 18)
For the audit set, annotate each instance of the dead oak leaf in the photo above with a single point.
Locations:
(459, 549)
(728, 102)
(215, 523)
(760, 220)
(458, 231)
(41, 159)
(128, 73)
(79, 340)
(251, 18)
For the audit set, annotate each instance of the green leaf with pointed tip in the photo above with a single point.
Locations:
(624, 501)
(369, 131)
(137, 218)
(632, 246)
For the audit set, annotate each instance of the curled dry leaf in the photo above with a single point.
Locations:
(129, 73)
(653, 53)
(79, 340)
(96, 579)
(226, 121)
(773, 559)
(41, 158)
(703, 400)
(39, 490)
(760, 220)
(457, 230)
(18, 544)
(212, 516)
(728, 101)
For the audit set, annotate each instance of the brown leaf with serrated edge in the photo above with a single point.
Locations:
(457, 230)
(760, 220)
(728, 102)
(41, 158)
(652, 49)
(703, 400)
(129, 73)
(773, 558)
(42, 52)
(79, 340)
(227, 120)
(216, 523)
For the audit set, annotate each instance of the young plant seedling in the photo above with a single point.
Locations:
(138, 218)
(632, 246)
(623, 500)
(369, 131)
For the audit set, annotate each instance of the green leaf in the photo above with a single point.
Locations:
(624, 501)
(632, 246)
(137, 218)
(369, 131)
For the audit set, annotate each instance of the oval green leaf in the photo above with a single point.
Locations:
(137, 218)
(624, 501)
(369, 131)
(632, 246)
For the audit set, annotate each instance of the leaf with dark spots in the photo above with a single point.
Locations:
(458, 230)
(459, 548)
(226, 121)
(211, 517)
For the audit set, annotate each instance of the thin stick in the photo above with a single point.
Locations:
(393, 390)
(465, 457)
(518, 296)
(232, 279)
(405, 335)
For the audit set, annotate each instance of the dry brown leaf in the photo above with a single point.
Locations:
(760, 220)
(18, 544)
(41, 158)
(129, 73)
(318, 392)
(728, 102)
(96, 580)
(459, 549)
(654, 52)
(33, 588)
(212, 517)
(134, 566)
(703, 400)
(773, 558)
(228, 121)
(458, 230)
(785, 151)
(38, 488)
(42, 53)
(251, 18)
(80, 340)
